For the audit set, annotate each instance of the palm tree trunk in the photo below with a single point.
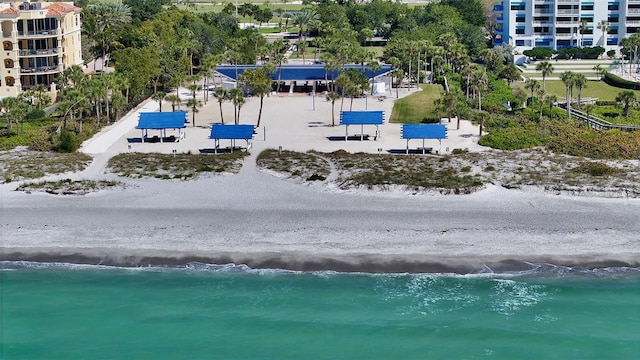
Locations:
(260, 111)
(221, 117)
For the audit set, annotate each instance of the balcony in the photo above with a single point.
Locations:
(40, 70)
(40, 52)
(39, 33)
(633, 11)
(568, 11)
(633, 22)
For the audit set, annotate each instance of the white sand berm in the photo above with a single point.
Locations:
(260, 220)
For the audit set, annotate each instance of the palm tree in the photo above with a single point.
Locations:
(598, 69)
(398, 75)
(583, 29)
(627, 99)
(373, 67)
(259, 81)
(450, 98)
(236, 96)
(603, 26)
(221, 95)
(481, 117)
(568, 78)
(532, 85)
(580, 82)
(159, 97)
(174, 100)
(551, 99)
(194, 104)
(332, 97)
(303, 18)
(588, 108)
(545, 69)
(208, 63)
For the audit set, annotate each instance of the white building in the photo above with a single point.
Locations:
(556, 24)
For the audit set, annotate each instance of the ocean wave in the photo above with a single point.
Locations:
(543, 270)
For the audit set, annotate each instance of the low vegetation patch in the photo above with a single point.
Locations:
(24, 165)
(460, 173)
(69, 187)
(306, 166)
(179, 166)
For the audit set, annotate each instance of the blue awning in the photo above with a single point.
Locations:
(232, 132)
(162, 120)
(316, 72)
(362, 118)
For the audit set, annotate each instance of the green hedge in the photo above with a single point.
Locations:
(617, 81)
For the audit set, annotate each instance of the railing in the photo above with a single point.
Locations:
(594, 122)
(633, 11)
(569, 11)
(39, 33)
(39, 69)
(38, 52)
(632, 22)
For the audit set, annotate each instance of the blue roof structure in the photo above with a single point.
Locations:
(362, 118)
(232, 132)
(162, 120)
(424, 131)
(300, 72)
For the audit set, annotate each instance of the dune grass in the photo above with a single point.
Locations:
(180, 166)
(417, 106)
(23, 165)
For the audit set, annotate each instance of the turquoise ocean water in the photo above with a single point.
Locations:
(224, 312)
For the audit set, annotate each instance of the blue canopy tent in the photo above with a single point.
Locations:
(231, 132)
(424, 131)
(361, 118)
(162, 121)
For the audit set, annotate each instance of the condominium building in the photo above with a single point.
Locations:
(558, 24)
(39, 41)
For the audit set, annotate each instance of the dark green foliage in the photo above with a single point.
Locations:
(617, 81)
(142, 10)
(68, 142)
(595, 169)
(35, 114)
(538, 53)
(581, 53)
(470, 10)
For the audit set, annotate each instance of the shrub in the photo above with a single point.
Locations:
(617, 81)
(611, 54)
(68, 142)
(595, 169)
(538, 53)
(35, 114)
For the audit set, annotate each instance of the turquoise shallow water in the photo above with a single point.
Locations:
(71, 312)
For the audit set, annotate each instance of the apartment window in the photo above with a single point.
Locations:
(519, 42)
(612, 41)
(587, 42)
(518, 6)
(520, 31)
(586, 7)
(614, 6)
(613, 19)
(520, 18)
(613, 30)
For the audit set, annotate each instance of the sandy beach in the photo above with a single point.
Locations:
(264, 221)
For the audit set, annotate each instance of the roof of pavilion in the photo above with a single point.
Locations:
(300, 72)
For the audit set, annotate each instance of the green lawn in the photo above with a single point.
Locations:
(417, 106)
(598, 89)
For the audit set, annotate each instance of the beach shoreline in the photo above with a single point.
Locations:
(264, 221)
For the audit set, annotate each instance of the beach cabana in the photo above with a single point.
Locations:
(162, 121)
(361, 118)
(233, 133)
(424, 131)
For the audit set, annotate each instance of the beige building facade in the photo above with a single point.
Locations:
(39, 41)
